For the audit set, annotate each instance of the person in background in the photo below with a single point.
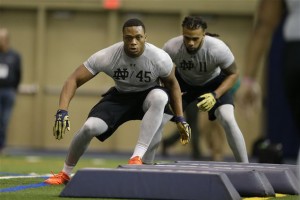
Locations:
(10, 77)
(269, 15)
(206, 71)
(137, 67)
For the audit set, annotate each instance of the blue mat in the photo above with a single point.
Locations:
(150, 184)
(256, 184)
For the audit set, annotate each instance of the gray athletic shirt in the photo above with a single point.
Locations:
(201, 67)
(131, 74)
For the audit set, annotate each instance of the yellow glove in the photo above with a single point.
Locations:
(62, 123)
(206, 101)
(184, 129)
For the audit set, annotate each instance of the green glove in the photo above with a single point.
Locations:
(62, 124)
(206, 101)
(184, 129)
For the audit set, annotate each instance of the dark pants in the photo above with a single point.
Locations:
(7, 100)
(116, 108)
(291, 73)
(281, 99)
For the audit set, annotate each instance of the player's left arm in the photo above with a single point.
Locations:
(172, 84)
(232, 77)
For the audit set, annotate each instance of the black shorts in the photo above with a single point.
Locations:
(191, 93)
(116, 108)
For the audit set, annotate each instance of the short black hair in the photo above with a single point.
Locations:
(134, 22)
(194, 22)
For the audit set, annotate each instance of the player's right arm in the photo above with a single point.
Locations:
(62, 122)
(80, 76)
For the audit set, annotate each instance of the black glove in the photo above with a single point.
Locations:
(184, 129)
(62, 124)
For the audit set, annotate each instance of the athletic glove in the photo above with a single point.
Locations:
(62, 124)
(206, 101)
(184, 129)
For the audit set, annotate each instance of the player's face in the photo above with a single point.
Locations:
(134, 39)
(193, 39)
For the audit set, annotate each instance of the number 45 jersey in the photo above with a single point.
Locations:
(202, 66)
(131, 74)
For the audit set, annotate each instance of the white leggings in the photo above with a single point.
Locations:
(153, 106)
(225, 115)
(235, 138)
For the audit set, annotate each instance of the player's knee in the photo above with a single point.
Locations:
(89, 129)
(225, 113)
(94, 128)
(159, 97)
(225, 118)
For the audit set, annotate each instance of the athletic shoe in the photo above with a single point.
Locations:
(135, 161)
(58, 179)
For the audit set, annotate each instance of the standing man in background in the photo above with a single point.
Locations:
(10, 77)
(269, 15)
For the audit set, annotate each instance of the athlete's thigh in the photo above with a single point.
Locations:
(226, 98)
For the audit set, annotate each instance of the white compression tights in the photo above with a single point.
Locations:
(150, 153)
(235, 138)
(153, 106)
(91, 128)
(225, 115)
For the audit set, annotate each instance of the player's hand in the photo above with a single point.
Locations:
(206, 101)
(62, 123)
(184, 129)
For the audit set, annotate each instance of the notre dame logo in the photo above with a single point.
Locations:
(188, 65)
(142, 76)
(121, 74)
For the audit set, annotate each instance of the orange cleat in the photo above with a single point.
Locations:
(58, 179)
(135, 161)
